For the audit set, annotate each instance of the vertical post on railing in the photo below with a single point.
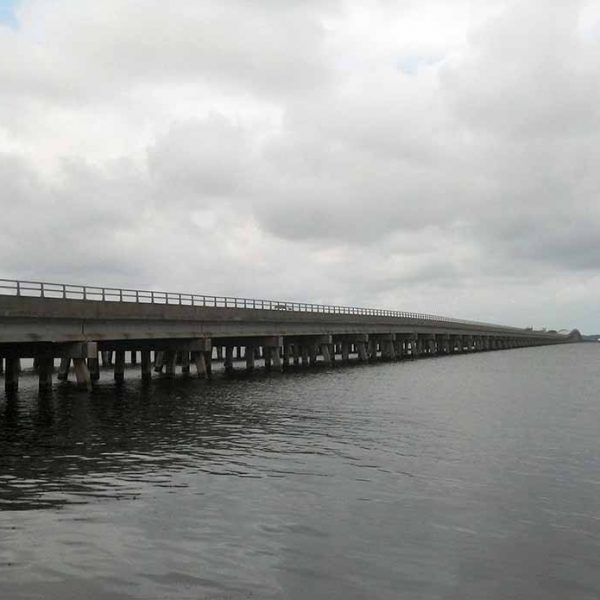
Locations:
(120, 295)
(18, 289)
(64, 288)
(151, 297)
(137, 296)
(103, 294)
(84, 293)
(42, 289)
(180, 299)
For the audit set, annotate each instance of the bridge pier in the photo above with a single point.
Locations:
(202, 365)
(159, 361)
(228, 363)
(119, 373)
(275, 357)
(63, 370)
(146, 366)
(45, 370)
(94, 368)
(250, 354)
(185, 362)
(106, 358)
(11, 375)
(82, 374)
(170, 363)
(325, 352)
(345, 351)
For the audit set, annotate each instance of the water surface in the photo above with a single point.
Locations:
(458, 477)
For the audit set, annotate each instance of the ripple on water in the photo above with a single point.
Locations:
(465, 477)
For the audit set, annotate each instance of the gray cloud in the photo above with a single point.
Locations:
(308, 150)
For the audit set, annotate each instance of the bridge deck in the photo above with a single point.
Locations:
(44, 321)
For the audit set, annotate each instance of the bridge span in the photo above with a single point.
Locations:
(89, 327)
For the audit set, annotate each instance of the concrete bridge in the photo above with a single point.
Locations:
(86, 326)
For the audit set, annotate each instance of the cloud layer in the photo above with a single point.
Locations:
(432, 156)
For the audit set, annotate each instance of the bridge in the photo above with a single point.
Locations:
(89, 327)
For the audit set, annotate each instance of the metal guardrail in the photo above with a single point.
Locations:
(39, 289)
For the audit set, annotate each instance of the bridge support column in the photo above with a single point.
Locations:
(45, 370)
(11, 376)
(228, 360)
(430, 345)
(286, 354)
(304, 354)
(185, 362)
(271, 350)
(170, 363)
(443, 344)
(416, 346)
(371, 350)
(120, 366)
(312, 354)
(361, 349)
(159, 361)
(275, 357)
(249, 356)
(106, 358)
(82, 374)
(146, 366)
(345, 351)
(200, 362)
(94, 367)
(296, 354)
(63, 370)
(326, 354)
(133, 357)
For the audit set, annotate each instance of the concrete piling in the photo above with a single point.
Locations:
(345, 351)
(199, 360)
(275, 358)
(170, 363)
(250, 357)
(326, 353)
(119, 373)
(45, 370)
(185, 362)
(146, 366)
(228, 360)
(63, 370)
(159, 361)
(94, 368)
(11, 375)
(82, 374)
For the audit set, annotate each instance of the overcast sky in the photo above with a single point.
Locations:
(438, 156)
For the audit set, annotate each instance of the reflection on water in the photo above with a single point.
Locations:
(461, 477)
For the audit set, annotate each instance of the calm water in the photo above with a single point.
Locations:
(462, 477)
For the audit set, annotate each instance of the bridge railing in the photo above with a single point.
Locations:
(38, 289)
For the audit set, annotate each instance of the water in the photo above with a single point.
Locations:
(461, 477)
